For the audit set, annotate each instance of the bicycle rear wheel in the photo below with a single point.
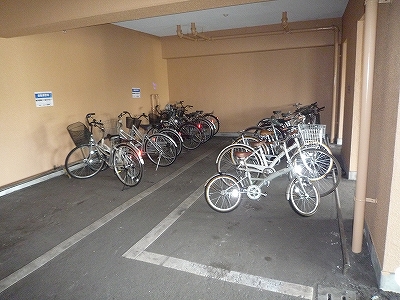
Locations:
(228, 162)
(175, 136)
(191, 136)
(214, 120)
(206, 128)
(303, 196)
(160, 149)
(222, 193)
(84, 162)
(127, 165)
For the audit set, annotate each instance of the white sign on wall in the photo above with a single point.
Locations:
(43, 99)
(135, 92)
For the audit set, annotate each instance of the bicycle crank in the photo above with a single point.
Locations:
(254, 192)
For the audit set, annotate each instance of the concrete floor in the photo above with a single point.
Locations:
(91, 239)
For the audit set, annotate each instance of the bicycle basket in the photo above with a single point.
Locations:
(312, 133)
(110, 127)
(79, 133)
(130, 122)
(154, 118)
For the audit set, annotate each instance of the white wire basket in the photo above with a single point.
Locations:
(110, 127)
(312, 133)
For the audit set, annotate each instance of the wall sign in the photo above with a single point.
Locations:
(135, 92)
(43, 99)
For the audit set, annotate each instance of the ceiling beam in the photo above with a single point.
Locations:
(27, 17)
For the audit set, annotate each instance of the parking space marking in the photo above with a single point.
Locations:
(157, 231)
(18, 275)
(258, 282)
(138, 252)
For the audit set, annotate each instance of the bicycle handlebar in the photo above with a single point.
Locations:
(94, 122)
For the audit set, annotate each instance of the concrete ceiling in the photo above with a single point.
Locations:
(239, 16)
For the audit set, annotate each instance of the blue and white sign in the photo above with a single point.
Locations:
(135, 92)
(44, 99)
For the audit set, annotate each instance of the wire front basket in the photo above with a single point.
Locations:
(154, 118)
(130, 122)
(312, 133)
(110, 127)
(79, 133)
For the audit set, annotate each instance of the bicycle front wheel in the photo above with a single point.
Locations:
(160, 149)
(320, 167)
(303, 196)
(128, 165)
(222, 193)
(84, 162)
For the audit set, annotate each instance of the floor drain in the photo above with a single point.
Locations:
(329, 293)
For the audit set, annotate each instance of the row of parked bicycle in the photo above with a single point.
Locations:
(253, 160)
(161, 141)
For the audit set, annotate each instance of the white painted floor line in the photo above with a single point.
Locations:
(60, 248)
(258, 282)
(137, 252)
(157, 231)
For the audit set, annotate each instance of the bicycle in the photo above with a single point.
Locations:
(192, 137)
(323, 169)
(156, 126)
(90, 157)
(223, 191)
(158, 147)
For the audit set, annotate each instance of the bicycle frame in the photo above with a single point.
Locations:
(266, 163)
(107, 151)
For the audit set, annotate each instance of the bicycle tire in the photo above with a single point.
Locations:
(84, 161)
(323, 170)
(160, 149)
(205, 127)
(223, 193)
(191, 136)
(214, 120)
(303, 196)
(172, 133)
(128, 166)
(228, 163)
(249, 140)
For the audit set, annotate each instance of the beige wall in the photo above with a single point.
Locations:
(383, 168)
(244, 79)
(383, 175)
(88, 70)
(243, 88)
(352, 33)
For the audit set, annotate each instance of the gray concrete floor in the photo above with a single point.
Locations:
(91, 239)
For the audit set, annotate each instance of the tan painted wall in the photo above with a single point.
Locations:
(88, 70)
(244, 79)
(383, 171)
(351, 32)
(243, 88)
(383, 168)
